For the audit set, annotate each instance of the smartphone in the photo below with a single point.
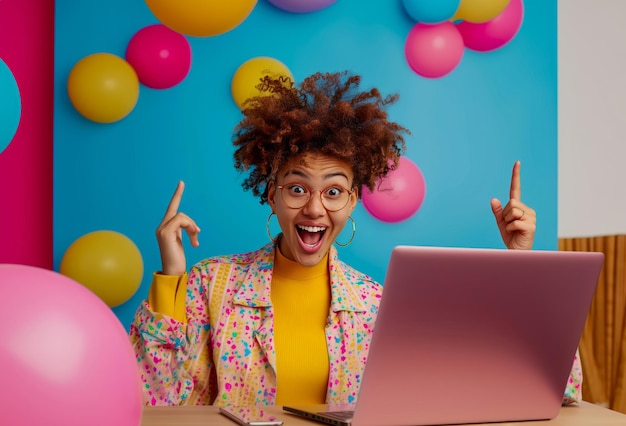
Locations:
(250, 416)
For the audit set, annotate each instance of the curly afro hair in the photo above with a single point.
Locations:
(326, 114)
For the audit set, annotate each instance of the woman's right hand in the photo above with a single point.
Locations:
(169, 235)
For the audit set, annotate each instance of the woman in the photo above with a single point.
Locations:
(289, 322)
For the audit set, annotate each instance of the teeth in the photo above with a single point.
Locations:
(312, 228)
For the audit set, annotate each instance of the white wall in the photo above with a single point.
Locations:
(592, 117)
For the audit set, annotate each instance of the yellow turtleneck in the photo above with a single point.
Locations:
(301, 300)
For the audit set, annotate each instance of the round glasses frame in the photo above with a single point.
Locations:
(301, 200)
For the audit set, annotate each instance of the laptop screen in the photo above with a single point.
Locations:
(475, 335)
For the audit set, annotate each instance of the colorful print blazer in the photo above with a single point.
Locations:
(224, 354)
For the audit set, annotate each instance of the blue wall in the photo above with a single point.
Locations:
(468, 129)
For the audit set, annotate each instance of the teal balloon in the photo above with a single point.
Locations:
(10, 106)
(431, 11)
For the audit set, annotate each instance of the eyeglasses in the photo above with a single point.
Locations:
(297, 195)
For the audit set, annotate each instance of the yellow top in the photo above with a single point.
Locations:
(301, 300)
(167, 295)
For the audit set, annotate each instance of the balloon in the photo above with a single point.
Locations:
(249, 74)
(433, 50)
(302, 6)
(66, 358)
(10, 106)
(160, 56)
(431, 11)
(478, 11)
(103, 87)
(397, 196)
(106, 262)
(201, 18)
(495, 33)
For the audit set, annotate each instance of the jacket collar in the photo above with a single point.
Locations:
(255, 290)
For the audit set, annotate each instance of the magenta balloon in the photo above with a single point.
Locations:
(397, 196)
(66, 359)
(301, 6)
(494, 34)
(160, 56)
(433, 50)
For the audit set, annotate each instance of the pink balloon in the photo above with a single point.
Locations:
(496, 33)
(302, 6)
(397, 196)
(160, 56)
(66, 359)
(433, 50)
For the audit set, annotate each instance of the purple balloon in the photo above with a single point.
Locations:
(302, 6)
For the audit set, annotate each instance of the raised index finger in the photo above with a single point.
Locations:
(516, 182)
(172, 207)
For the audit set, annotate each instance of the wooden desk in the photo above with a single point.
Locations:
(585, 414)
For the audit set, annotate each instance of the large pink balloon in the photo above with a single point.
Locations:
(65, 358)
(397, 196)
(433, 50)
(496, 33)
(302, 6)
(160, 56)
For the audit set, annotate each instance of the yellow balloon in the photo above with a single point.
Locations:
(479, 11)
(201, 18)
(106, 262)
(249, 75)
(103, 87)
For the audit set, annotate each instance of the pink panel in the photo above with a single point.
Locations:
(27, 47)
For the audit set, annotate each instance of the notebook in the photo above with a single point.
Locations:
(468, 335)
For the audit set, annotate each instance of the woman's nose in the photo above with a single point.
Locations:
(315, 206)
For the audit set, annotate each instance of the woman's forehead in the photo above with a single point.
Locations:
(317, 165)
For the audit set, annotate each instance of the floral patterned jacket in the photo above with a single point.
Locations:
(224, 353)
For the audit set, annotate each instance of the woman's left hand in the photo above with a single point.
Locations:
(517, 222)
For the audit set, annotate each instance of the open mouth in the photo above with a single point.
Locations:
(311, 236)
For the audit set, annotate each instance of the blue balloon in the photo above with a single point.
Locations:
(10, 106)
(431, 11)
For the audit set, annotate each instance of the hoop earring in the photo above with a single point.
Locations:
(351, 237)
(267, 228)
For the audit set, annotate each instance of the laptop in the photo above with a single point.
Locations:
(467, 335)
